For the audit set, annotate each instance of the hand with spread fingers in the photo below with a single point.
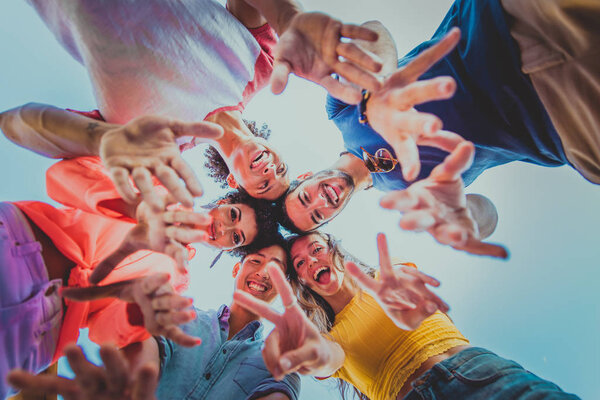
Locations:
(390, 111)
(158, 231)
(295, 344)
(438, 204)
(113, 381)
(311, 48)
(402, 293)
(147, 147)
(162, 309)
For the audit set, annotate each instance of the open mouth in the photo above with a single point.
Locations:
(322, 275)
(257, 287)
(331, 194)
(211, 231)
(260, 160)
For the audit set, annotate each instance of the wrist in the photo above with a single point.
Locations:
(362, 108)
(286, 16)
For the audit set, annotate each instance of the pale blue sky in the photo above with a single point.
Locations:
(539, 308)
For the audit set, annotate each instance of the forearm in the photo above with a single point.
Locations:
(278, 13)
(335, 362)
(53, 132)
(484, 213)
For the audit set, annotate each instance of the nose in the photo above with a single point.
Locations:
(269, 170)
(262, 272)
(320, 201)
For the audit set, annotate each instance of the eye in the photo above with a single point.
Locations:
(281, 170)
(255, 261)
(263, 185)
(318, 215)
(233, 213)
(299, 264)
(236, 238)
(317, 250)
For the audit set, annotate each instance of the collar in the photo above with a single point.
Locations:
(252, 330)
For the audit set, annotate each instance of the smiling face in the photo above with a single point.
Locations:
(318, 199)
(259, 169)
(312, 260)
(253, 278)
(233, 225)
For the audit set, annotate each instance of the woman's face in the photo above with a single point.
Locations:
(233, 225)
(312, 260)
(259, 169)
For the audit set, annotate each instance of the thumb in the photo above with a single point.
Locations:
(96, 292)
(105, 267)
(279, 76)
(203, 130)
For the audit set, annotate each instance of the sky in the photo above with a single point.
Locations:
(539, 308)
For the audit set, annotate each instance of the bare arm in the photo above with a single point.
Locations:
(53, 132)
(278, 13)
(484, 213)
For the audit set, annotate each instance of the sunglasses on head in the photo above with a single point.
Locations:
(380, 162)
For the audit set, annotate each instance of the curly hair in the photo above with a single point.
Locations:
(266, 223)
(216, 166)
(316, 307)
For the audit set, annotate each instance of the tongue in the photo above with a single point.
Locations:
(325, 277)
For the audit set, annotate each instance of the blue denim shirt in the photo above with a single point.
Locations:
(219, 368)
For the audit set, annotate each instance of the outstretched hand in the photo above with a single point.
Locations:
(157, 231)
(162, 309)
(402, 292)
(438, 205)
(390, 111)
(295, 344)
(146, 147)
(311, 46)
(113, 381)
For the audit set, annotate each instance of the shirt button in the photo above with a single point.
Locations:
(207, 376)
(224, 351)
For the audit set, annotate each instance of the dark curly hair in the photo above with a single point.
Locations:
(266, 222)
(217, 169)
(268, 240)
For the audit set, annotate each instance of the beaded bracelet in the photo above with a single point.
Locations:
(362, 108)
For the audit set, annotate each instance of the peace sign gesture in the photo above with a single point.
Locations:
(295, 344)
(390, 110)
(402, 293)
(439, 205)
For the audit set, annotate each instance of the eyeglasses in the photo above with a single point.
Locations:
(381, 162)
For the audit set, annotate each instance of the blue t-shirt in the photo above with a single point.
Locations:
(495, 105)
(219, 368)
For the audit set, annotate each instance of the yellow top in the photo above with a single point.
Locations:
(379, 355)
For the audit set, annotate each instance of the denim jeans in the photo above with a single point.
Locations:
(30, 306)
(477, 373)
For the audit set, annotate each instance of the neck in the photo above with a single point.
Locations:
(343, 296)
(356, 168)
(239, 317)
(235, 132)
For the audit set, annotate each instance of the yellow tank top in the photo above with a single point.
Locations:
(379, 355)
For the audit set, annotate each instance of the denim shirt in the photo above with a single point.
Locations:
(219, 368)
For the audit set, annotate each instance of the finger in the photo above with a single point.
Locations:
(256, 306)
(126, 248)
(354, 54)
(183, 234)
(449, 234)
(178, 336)
(146, 382)
(358, 76)
(168, 318)
(445, 140)
(440, 304)
(43, 384)
(330, 40)
(187, 218)
(385, 265)
(120, 177)
(117, 369)
(281, 284)
(474, 246)
(398, 299)
(143, 180)
(189, 177)
(401, 200)
(344, 92)
(174, 185)
(179, 253)
(271, 354)
(407, 154)
(430, 280)
(293, 360)
(431, 56)
(171, 301)
(95, 292)
(152, 283)
(414, 124)
(363, 279)
(352, 31)
(418, 220)
(279, 76)
(90, 377)
(419, 92)
(455, 163)
(203, 130)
